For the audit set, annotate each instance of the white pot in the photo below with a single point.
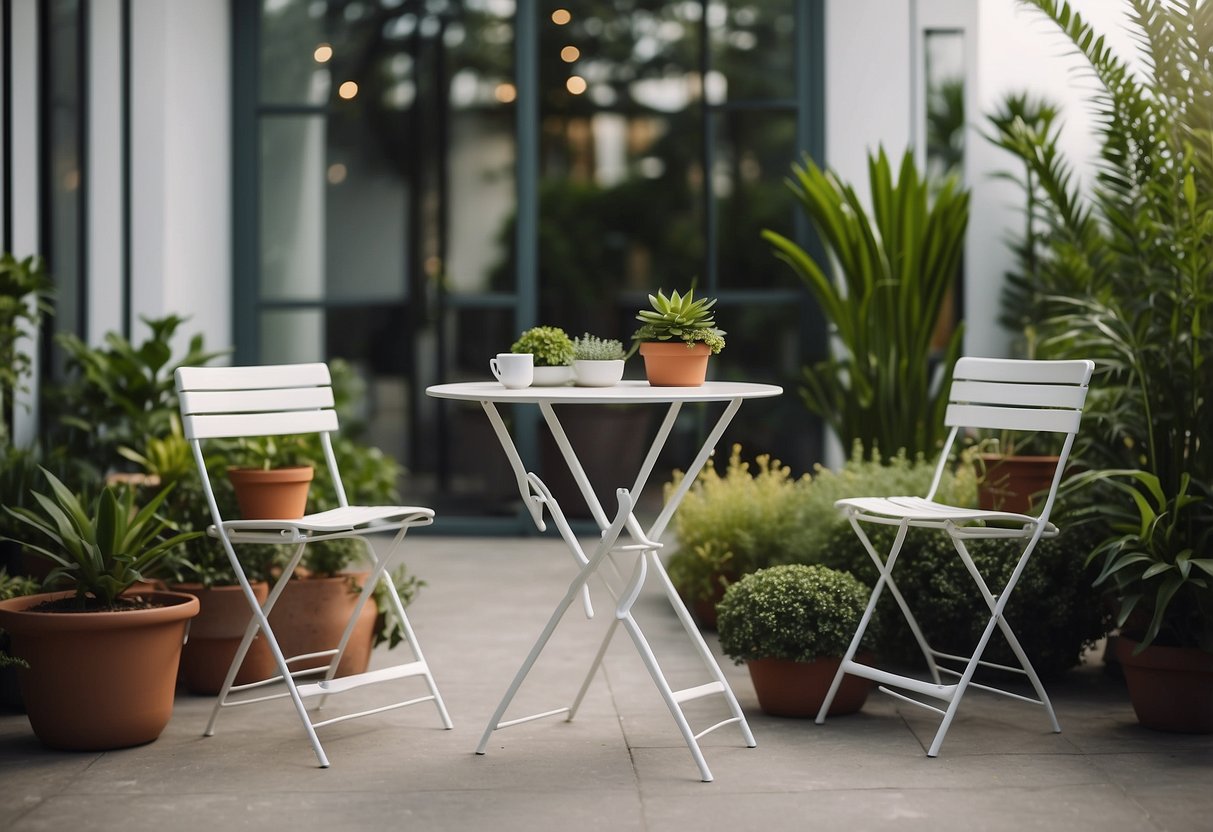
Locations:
(598, 373)
(552, 376)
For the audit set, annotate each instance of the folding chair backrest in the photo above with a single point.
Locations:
(1016, 395)
(268, 400)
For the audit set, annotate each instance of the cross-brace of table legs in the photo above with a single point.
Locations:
(536, 496)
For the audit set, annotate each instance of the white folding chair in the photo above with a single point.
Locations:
(986, 393)
(231, 402)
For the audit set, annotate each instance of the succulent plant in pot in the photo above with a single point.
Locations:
(597, 362)
(553, 352)
(791, 625)
(102, 664)
(676, 336)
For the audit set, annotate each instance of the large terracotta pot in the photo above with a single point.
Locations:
(1009, 482)
(1171, 688)
(311, 614)
(797, 689)
(276, 494)
(672, 364)
(215, 634)
(98, 680)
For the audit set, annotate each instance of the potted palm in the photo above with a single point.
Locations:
(791, 625)
(676, 337)
(1122, 275)
(102, 663)
(553, 352)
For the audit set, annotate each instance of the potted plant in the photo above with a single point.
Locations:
(102, 663)
(676, 337)
(271, 478)
(1122, 275)
(791, 625)
(24, 289)
(597, 362)
(895, 266)
(553, 351)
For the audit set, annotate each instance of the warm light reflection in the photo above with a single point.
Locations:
(505, 93)
(576, 85)
(348, 90)
(323, 53)
(337, 173)
(570, 54)
(561, 17)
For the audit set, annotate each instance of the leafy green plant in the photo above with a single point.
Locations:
(680, 318)
(886, 386)
(13, 586)
(792, 612)
(118, 394)
(550, 345)
(103, 549)
(25, 289)
(592, 348)
(1121, 270)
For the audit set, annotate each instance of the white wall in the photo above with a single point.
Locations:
(181, 160)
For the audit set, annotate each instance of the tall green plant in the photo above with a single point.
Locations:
(885, 386)
(1122, 272)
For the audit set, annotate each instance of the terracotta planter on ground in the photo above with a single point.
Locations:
(673, 364)
(274, 494)
(215, 634)
(1010, 482)
(311, 614)
(1171, 688)
(797, 689)
(98, 680)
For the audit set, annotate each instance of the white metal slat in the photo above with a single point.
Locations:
(267, 376)
(253, 401)
(219, 426)
(1024, 370)
(1040, 395)
(1012, 418)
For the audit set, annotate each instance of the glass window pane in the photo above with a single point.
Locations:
(292, 336)
(754, 153)
(752, 50)
(294, 61)
(292, 207)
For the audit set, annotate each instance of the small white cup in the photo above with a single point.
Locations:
(514, 370)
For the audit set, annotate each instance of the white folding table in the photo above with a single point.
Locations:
(646, 544)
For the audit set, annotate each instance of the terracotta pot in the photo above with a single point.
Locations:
(311, 614)
(1171, 688)
(215, 634)
(797, 689)
(672, 364)
(276, 494)
(98, 680)
(1010, 482)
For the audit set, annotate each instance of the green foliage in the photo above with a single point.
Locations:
(680, 317)
(13, 586)
(791, 612)
(388, 629)
(758, 516)
(895, 267)
(1122, 272)
(592, 348)
(1054, 611)
(550, 345)
(119, 394)
(103, 549)
(24, 292)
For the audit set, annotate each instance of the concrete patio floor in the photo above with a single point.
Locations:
(621, 765)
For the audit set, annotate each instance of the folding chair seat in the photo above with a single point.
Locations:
(273, 400)
(986, 393)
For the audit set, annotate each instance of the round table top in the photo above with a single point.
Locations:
(625, 392)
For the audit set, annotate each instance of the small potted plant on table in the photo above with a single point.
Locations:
(553, 351)
(676, 337)
(791, 624)
(101, 662)
(597, 362)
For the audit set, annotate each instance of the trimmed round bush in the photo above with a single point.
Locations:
(550, 345)
(793, 612)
